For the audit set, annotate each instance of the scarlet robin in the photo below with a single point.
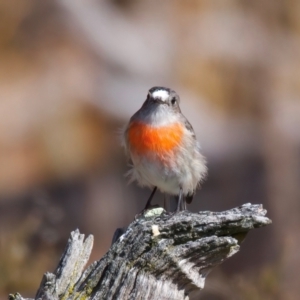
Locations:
(162, 146)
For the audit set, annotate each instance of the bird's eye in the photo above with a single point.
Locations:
(173, 101)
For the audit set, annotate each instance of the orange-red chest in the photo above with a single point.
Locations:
(145, 139)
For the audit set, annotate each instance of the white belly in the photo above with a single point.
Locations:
(155, 174)
(183, 173)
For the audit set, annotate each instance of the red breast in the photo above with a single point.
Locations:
(145, 139)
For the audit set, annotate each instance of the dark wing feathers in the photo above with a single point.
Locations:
(189, 127)
(189, 198)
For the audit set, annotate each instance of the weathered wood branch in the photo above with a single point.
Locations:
(159, 256)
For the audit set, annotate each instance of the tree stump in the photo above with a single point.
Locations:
(159, 256)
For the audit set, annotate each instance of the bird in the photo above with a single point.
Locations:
(163, 149)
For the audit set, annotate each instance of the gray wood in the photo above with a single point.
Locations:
(159, 256)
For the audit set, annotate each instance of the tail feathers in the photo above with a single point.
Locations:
(189, 198)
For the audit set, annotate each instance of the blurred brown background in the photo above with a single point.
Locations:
(72, 73)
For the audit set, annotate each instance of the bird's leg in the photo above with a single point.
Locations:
(150, 198)
(166, 202)
(183, 204)
(148, 204)
(180, 199)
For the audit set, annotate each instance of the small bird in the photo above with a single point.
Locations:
(162, 146)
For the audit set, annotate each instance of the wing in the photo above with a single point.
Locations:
(189, 127)
(123, 138)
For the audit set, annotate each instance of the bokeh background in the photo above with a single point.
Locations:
(73, 72)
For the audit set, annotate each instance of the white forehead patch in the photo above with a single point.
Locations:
(161, 94)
